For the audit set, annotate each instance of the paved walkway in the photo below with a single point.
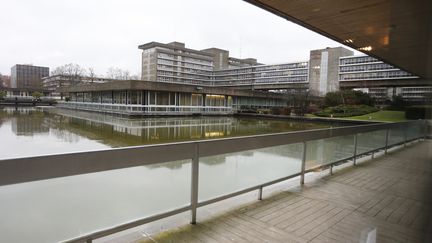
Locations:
(391, 194)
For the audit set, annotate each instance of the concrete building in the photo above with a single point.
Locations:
(367, 73)
(327, 70)
(174, 63)
(28, 76)
(323, 69)
(53, 83)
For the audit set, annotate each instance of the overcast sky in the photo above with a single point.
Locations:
(104, 34)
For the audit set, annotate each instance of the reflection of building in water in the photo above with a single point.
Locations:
(28, 122)
(125, 131)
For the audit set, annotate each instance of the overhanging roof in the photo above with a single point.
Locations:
(397, 32)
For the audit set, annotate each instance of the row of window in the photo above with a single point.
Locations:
(374, 75)
(357, 60)
(184, 59)
(367, 67)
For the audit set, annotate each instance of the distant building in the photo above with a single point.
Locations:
(174, 63)
(52, 83)
(28, 76)
(327, 70)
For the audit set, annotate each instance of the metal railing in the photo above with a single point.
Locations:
(131, 109)
(53, 166)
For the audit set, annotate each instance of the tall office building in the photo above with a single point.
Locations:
(323, 69)
(28, 76)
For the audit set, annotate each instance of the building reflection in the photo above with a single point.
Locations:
(25, 121)
(117, 131)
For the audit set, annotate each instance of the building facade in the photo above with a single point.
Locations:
(134, 97)
(323, 69)
(28, 76)
(365, 70)
(327, 70)
(173, 63)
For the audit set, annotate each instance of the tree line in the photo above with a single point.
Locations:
(75, 71)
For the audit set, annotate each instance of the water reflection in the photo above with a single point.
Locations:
(68, 130)
(76, 205)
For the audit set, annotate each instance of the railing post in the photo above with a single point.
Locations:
(386, 141)
(405, 136)
(303, 165)
(260, 191)
(331, 169)
(194, 183)
(89, 241)
(355, 150)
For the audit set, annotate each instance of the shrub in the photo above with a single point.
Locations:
(419, 112)
(348, 97)
(37, 95)
(346, 111)
(2, 94)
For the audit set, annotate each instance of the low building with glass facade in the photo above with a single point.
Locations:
(134, 97)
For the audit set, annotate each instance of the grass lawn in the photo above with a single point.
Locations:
(383, 116)
(386, 116)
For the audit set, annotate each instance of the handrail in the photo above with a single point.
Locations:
(29, 169)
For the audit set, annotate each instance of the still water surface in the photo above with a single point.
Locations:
(59, 209)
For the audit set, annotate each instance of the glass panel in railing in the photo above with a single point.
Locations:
(227, 173)
(370, 141)
(328, 150)
(414, 130)
(396, 135)
(64, 208)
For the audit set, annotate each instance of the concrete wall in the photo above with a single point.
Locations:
(324, 69)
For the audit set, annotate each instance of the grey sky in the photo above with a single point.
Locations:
(103, 34)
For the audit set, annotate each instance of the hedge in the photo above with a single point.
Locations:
(418, 112)
(346, 111)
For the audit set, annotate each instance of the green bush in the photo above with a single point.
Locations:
(2, 94)
(346, 111)
(418, 112)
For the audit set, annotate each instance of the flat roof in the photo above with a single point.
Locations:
(119, 85)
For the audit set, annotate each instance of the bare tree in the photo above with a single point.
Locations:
(118, 73)
(72, 70)
(91, 73)
(134, 77)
